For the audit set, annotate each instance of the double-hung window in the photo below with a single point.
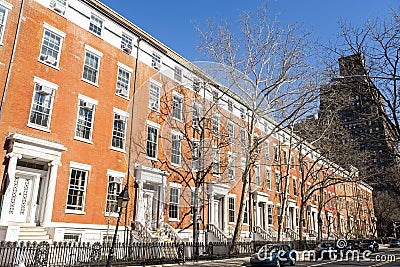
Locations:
(114, 188)
(152, 140)
(243, 137)
(231, 132)
(91, 65)
(119, 129)
(231, 166)
(77, 187)
(174, 202)
(177, 106)
(246, 213)
(59, 6)
(195, 155)
(278, 181)
(42, 104)
(85, 119)
(4, 8)
(126, 43)
(215, 126)
(258, 175)
(154, 98)
(156, 61)
(96, 24)
(231, 209)
(216, 161)
(176, 148)
(178, 74)
(270, 210)
(195, 115)
(294, 187)
(123, 80)
(51, 46)
(268, 176)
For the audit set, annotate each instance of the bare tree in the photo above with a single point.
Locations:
(265, 65)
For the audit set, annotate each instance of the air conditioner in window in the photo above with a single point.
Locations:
(44, 90)
(58, 7)
(87, 105)
(154, 106)
(49, 59)
(156, 65)
(127, 48)
(195, 124)
(242, 116)
(119, 118)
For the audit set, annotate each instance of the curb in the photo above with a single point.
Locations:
(192, 262)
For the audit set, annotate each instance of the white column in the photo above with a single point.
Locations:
(162, 196)
(12, 167)
(225, 213)
(211, 208)
(140, 204)
(51, 190)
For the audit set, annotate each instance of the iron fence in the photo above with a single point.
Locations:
(57, 254)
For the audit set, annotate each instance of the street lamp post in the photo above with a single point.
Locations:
(122, 199)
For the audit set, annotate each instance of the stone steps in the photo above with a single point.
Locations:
(32, 234)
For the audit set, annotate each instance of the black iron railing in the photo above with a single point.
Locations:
(57, 254)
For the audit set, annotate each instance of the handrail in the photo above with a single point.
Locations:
(221, 236)
(171, 232)
(272, 232)
(292, 233)
(264, 233)
(143, 232)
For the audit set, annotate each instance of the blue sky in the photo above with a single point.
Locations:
(172, 22)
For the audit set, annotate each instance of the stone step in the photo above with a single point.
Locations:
(32, 234)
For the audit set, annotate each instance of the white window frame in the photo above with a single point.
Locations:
(231, 166)
(177, 106)
(126, 43)
(231, 131)
(122, 81)
(156, 60)
(294, 180)
(118, 179)
(216, 124)
(177, 187)
(95, 53)
(156, 127)
(91, 22)
(196, 161)
(216, 163)
(59, 6)
(48, 57)
(257, 174)
(154, 100)
(121, 115)
(83, 168)
(196, 109)
(93, 103)
(278, 186)
(178, 74)
(268, 178)
(7, 7)
(48, 88)
(270, 214)
(176, 137)
(246, 214)
(231, 197)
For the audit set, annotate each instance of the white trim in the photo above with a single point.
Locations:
(55, 30)
(125, 67)
(45, 83)
(94, 51)
(156, 125)
(88, 99)
(121, 112)
(20, 138)
(116, 173)
(6, 4)
(175, 185)
(81, 166)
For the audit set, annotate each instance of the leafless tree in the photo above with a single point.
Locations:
(265, 65)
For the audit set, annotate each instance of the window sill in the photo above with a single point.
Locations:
(78, 212)
(48, 64)
(37, 127)
(176, 165)
(111, 214)
(124, 97)
(177, 119)
(83, 140)
(173, 219)
(91, 83)
(118, 149)
(232, 223)
(150, 158)
(58, 13)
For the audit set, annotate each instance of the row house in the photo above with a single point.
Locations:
(91, 103)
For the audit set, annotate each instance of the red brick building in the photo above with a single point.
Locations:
(76, 78)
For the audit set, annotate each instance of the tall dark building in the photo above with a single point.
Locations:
(357, 106)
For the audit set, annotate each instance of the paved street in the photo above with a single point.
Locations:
(375, 260)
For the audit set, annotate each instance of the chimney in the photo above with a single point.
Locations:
(352, 65)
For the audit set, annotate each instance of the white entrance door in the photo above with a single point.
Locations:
(148, 209)
(21, 199)
(216, 213)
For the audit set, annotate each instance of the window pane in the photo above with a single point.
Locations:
(119, 130)
(85, 119)
(76, 191)
(96, 24)
(152, 138)
(123, 81)
(91, 67)
(41, 106)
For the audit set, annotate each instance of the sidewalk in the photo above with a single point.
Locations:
(227, 262)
